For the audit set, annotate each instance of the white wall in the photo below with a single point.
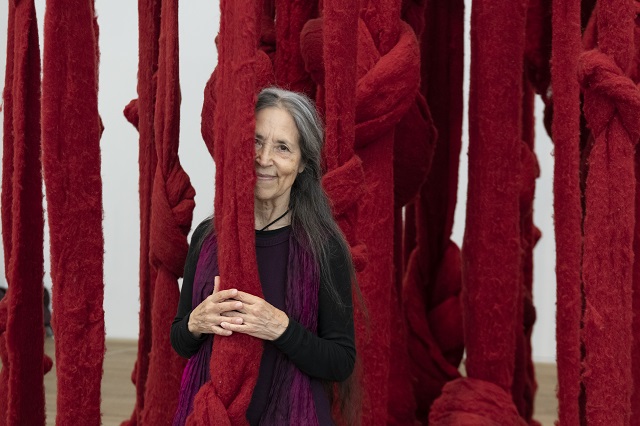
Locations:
(198, 26)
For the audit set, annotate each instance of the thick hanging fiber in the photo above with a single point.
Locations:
(432, 281)
(567, 207)
(140, 112)
(235, 360)
(71, 158)
(491, 253)
(612, 111)
(171, 213)
(21, 316)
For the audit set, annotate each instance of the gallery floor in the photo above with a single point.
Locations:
(118, 393)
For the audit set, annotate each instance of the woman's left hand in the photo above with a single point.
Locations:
(259, 318)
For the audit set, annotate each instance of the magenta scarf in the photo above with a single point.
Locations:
(290, 398)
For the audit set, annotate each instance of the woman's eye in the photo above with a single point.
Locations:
(283, 148)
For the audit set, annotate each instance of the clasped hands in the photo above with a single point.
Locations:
(231, 310)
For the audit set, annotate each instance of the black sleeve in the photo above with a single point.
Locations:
(182, 341)
(331, 354)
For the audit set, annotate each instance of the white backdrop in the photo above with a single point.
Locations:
(199, 21)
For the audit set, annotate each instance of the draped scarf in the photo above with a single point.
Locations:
(290, 397)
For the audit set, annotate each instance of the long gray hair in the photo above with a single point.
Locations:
(312, 221)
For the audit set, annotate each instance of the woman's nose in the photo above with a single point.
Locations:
(263, 155)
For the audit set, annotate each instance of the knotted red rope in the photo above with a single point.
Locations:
(612, 110)
(171, 213)
(432, 281)
(140, 113)
(567, 207)
(491, 252)
(387, 78)
(235, 360)
(21, 316)
(71, 158)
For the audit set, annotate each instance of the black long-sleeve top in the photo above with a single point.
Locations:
(327, 356)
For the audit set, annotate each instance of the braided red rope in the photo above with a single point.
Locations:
(21, 316)
(71, 158)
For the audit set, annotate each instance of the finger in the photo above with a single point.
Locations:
(241, 328)
(232, 305)
(221, 331)
(226, 294)
(216, 284)
(247, 297)
(232, 319)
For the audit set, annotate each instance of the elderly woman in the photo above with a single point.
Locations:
(306, 273)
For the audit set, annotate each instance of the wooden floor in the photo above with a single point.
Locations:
(118, 393)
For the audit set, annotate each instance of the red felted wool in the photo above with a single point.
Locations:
(140, 113)
(171, 213)
(71, 158)
(567, 207)
(432, 282)
(612, 110)
(235, 360)
(473, 402)
(491, 266)
(288, 63)
(524, 384)
(21, 316)
(635, 354)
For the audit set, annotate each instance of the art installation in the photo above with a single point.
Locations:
(387, 76)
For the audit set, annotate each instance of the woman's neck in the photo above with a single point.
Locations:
(269, 217)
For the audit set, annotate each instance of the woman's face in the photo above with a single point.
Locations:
(278, 155)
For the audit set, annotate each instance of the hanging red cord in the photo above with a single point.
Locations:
(21, 315)
(71, 158)
(612, 110)
(140, 113)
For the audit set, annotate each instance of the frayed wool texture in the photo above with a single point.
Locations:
(234, 360)
(71, 163)
(21, 316)
(432, 282)
(172, 206)
(567, 205)
(469, 401)
(635, 354)
(491, 267)
(140, 113)
(612, 110)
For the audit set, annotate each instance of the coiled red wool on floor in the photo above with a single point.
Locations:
(71, 159)
(21, 316)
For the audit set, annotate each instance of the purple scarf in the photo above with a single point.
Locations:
(290, 398)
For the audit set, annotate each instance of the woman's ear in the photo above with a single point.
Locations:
(301, 169)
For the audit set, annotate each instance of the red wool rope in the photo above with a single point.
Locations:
(171, 214)
(140, 112)
(567, 207)
(71, 158)
(21, 316)
(235, 360)
(491, 252)
(432, 282)
(612, 110)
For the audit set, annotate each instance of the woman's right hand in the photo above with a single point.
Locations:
(207, 316)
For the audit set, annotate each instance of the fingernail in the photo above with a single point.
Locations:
(238, 305)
